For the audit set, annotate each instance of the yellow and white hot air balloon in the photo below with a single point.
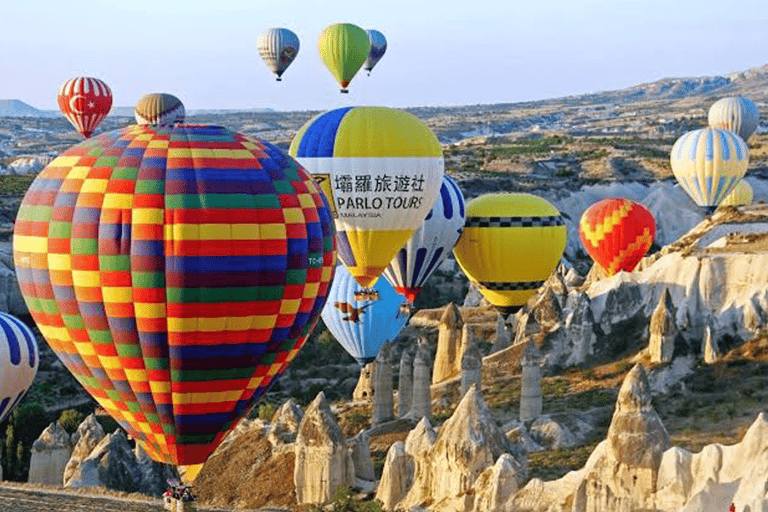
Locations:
(278, 47)
(736, 113)
(741, 195)
(510, 245)
(381, 170)
(708, 163)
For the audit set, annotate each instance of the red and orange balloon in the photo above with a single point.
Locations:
(617, 233)
(85, 102)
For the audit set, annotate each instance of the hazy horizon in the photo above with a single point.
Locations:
(439, 53)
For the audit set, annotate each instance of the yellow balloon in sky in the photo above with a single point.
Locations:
(510, 245)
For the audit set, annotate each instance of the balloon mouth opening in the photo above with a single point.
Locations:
(362, 361)
(409, 293)
(507, 310)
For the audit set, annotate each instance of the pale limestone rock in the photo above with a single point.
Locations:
(421, 439)
(383, 400)
(530, 385)
(422, 400)
(323, 463)
(364, 389)
(111, 464)
(396, 477)
(504, 330)
(361, 457)
(471, 362)
(89, 433)
(468, 443)
(448, 355)
(551, 434)
(285, 423)
(547, 311)
(709, 346)
(405, 383)
(50, 454)
(663, 330)
(496, 484)
(518, 434)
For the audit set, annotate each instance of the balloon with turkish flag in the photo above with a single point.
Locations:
(85, 101)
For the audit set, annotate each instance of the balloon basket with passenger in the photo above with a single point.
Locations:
(178, 497)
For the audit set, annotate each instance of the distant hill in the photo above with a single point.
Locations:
(128, 111)
(17, 108)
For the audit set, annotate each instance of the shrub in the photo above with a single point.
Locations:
(70, 420)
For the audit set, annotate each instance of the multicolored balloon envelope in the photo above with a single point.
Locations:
(381, 169)
(737, 114)
(175, 271)
(85, 102)
(19, 359)
(377, 51)
(343, 48)
(741, 195)
(159, 108)
(430, 244)
(363, 326)
(617, 233)
(708, 163)
(510, 245)
(277, 48)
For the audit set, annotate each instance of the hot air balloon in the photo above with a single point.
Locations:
(278, 47)
(378, 48)
(159, 108)
(510, 245)
(708, 163)
(617, 233)
(741, 195)
(19, 358)
(85, 102)
(343, 48)
(737, 114)
(430, 244)
(363, 326)
(175, 270)
(381, 169)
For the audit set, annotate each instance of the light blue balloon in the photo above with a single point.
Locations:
(363, 323)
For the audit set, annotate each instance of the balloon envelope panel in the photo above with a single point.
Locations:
(363, 326)
(175, 271)
(510, 245)
(19, 359)
(617, 233)
(708, 163)
(741, 195)
(384, 168)
(430, 244)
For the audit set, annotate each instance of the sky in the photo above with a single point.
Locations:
(440, 53)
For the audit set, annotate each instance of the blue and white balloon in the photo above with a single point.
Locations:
(362, 319)
(19, 359)
(430, 244)
(378, 48)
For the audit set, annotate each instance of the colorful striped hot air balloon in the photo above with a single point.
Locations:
(159, 108)
(381, 169)
(19, 359)
(510, 245)
(377, 51)
(708, 163)
(737, 114)
(430, 244)
(617, 233)
(278, 47)
(85, 102)
(741, 195)
(343, 48)
(175, 271)
(360, 322)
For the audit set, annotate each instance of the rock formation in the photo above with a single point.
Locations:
(709, 346)
(364, 389)
(496, 484)
(285, 423)
(448, 355)
(111, 464)
(361, 457)
(469, 442)
(530, 384)
(323, 463)
(396, 477)
(50, 454)
(504, 330)
(471, 362)
(661, 344)
(89, 433)
(383, 401)
(405, 383)
(422, 399)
